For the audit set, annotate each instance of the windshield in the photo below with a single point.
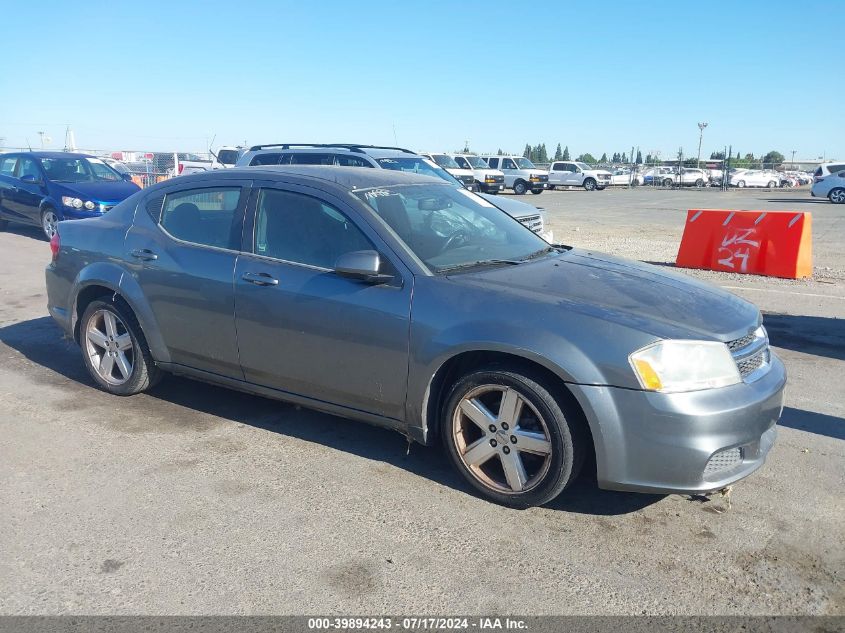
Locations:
(78, 170)
(583, 165)
(446, 162)
(524, 163)
(477, 162)
(450, 229)
(418, 165)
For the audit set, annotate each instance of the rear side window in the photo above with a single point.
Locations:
(559, 167)
(205, 216)
(346, 160)
(304, 230)
(312, 159)
(7, 166)
(835, 168)
(271, 158)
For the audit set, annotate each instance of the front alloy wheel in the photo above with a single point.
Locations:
(49, 223)
(509, 438)
(589, 184)
(837, 196)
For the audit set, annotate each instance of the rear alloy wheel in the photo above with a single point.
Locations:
(49, 222)
(837, 196)
(519, 187)
(508, 436)
(699, 183)
(115, 350)
(590, 184)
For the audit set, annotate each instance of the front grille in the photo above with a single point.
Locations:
(533, 222)
(497, 179)
(723, 460)
(751, 352)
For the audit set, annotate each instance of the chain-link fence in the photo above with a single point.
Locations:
(145, 167)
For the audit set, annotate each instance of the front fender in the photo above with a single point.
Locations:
(120, 281)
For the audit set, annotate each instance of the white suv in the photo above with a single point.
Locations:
(520, 173)
(466, 176)
(486, 179)
(564, 173)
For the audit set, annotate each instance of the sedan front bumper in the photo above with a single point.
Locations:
(695, 442)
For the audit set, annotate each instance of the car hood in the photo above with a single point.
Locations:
(643, 297)
(513, 208)
(98, 191)
(598, 172)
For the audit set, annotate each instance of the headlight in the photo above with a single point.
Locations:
(89, 205)
(673, 366)
(70, 201)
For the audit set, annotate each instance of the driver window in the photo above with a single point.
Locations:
(29, 168)
(507, 163)
(462, 162)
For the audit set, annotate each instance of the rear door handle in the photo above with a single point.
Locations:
(143, 253)
(260, 279)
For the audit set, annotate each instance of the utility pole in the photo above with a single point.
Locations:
(701, 127)
(793, 160)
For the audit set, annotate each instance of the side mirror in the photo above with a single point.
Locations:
(126, 176)
(361, 265)
(30, 179)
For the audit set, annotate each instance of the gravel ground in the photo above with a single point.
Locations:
(197, 500)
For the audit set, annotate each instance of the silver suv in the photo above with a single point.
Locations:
(395, 158)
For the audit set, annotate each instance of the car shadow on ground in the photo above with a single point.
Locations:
(812, 422)
(26, 230)
(820, 336)
(39, 340)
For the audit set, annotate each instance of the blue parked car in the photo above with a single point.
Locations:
(44, 188)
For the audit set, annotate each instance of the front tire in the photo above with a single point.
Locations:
(519, 187)
(772, 184)
(49, 222)
(699, 183)
(536, 192)
(115, 350)
(509, 437)
(668, 182)
(837, 195)
(590, 184)
(741, 184)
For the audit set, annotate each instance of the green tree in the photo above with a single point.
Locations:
(615, 157)
(500, 152)
(773, 158)
(587, 158)
(566, 153)
(527, 152)
(717, 156)
(691, 162)
(624, 158)
(639, 160)
(558, 153)
(603, 158)
(542, 154)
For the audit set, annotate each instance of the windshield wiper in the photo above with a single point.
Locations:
(540, 253)
(478, 263)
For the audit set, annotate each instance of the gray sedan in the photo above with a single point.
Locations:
(402, 301)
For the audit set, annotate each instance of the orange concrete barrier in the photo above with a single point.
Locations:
(773, 243)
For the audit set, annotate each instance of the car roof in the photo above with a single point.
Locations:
(347, 178)
(53, 154)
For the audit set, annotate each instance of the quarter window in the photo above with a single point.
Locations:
(204, 216)
(312, 159)
(345, 160)
(301, 229)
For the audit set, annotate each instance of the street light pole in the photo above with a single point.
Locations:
(701, 127)
(793, 160)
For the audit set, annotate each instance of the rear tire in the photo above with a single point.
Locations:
(740, 184)
(550, 441)
(668, 182)
(519, 187)
(699, 183)
(837, 195)
(552, 187)
(536, 192)
(115, 350)
(772, 184)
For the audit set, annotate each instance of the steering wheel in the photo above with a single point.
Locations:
(458, 238)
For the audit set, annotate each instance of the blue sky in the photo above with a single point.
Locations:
(598, 77)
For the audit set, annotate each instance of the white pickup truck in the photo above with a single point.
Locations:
(575, 174)
(520, 173)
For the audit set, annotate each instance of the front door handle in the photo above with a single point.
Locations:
(260, 279)
(143, 253)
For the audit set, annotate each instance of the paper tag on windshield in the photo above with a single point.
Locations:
(477, 199)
